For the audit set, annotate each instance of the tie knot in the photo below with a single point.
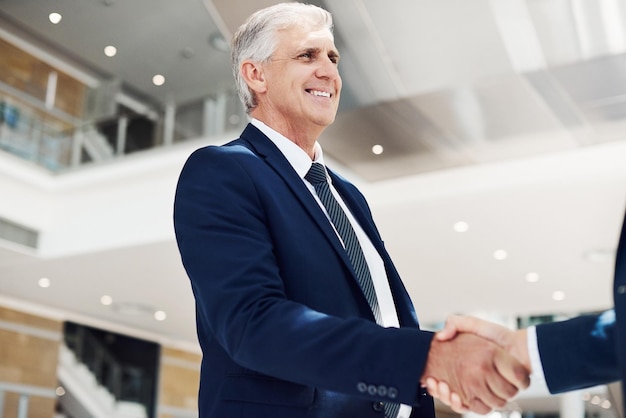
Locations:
(316, 174)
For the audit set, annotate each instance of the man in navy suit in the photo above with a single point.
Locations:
(285, 329)
(584, 351)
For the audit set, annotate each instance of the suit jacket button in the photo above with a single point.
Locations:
(361, 387)
(621, 289)
(382, 390)
(392, 393)
(378, 406)
(372, 390)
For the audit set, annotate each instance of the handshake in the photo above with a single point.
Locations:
(475, 365)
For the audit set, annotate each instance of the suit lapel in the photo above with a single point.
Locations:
(256, 141)
(362, 218)
(265, 148)
(403, 304)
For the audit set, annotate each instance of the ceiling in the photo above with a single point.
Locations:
(506, 114)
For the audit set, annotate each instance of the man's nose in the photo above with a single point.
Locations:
(327, 69)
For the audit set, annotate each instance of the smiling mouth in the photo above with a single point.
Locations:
(319, 93)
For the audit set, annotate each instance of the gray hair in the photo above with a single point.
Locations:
(256, 39)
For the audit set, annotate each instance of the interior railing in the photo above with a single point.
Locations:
(24, 392)
(57, 141)
(125, 382)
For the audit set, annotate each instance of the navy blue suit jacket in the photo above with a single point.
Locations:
(588, 350)
(284, 328)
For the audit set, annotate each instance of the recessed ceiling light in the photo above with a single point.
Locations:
(106, 300)
(606, 404)
(160, 315)
(532, 277)
(600, 255)
(44, 282)
(500, 255)
(377, 149)
(461, 226)
(60, 391)
(558, 295)
(55, 17)
(188, 52)
(132, 308)
(596, 400)
(158, 80)
(217, 41)
(110, 51)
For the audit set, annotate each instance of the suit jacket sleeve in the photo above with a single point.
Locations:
(229, 224)
(580, 352)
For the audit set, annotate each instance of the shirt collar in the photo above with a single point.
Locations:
(299, 160)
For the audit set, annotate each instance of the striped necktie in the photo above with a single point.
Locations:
(317, 177)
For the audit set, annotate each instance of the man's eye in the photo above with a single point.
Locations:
(306, 55)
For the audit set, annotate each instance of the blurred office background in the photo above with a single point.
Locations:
(487, 135)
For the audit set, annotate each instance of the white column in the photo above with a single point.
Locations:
(169, 124)
(572, 405)
(122, 126)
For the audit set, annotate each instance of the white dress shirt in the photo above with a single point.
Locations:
(301, 163)
(537, 374)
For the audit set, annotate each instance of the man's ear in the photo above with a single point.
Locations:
(252, 72)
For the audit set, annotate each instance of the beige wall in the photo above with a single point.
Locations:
(29, 348)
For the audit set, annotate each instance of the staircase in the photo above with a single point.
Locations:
(85, 397)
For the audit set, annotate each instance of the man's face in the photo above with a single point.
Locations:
(303, 84)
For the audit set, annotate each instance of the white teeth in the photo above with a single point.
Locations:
(320, 93)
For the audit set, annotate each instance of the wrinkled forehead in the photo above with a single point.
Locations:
(306, 35)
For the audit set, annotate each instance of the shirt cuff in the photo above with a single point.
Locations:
(533, 354)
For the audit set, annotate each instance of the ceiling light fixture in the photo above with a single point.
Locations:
(106, 300)
(188, 52)
(217, 41)
(158, 80)
(377, 149)
(110, 51)
(558, 295)
(599, 255)
(532, 277)
(461, 226)
(55, 17)
(160, 315)
(500, 255)
(44, 282)
(132, 308)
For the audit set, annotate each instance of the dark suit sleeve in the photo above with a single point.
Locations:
(221, 218)
(578, 353)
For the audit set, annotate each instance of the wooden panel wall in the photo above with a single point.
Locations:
(178, 383)
(29, 347)
(29, 75)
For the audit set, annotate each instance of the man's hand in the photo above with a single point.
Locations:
(513, 342)
(478, 372)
